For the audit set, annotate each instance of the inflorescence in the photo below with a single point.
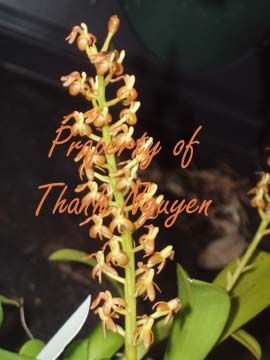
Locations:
(107, 178)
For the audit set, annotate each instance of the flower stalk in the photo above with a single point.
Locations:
(261, 201)
(130, 318)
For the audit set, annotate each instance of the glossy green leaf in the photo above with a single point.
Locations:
(6, 301)
(7, 355)
(200, 322)
(250, 295)
(79, 257)
(32, 348)
(249, 342)
(95, 347)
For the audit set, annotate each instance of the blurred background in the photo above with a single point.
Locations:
(197, 62)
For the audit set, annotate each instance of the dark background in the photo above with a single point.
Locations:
(212, 70)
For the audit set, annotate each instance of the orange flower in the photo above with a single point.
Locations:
(116, 255)
(120, 222)
(144, 151)
(91, 157)
(167, 309)
(101, 266)
(127, 91)
(108, 322)
(145, 283)
(161, 257)
(110, 304)
(148, 204)
(94, 195)
(103, 61)
(124, 183)
(98, 229)
(258, 199)
(99, 117)
(123, 137)
(79, 126)
(148, 240)
(109, 61)
(84, 39)
(261, 191)
(116, 66)
(130, 113)
(76, 83)
(144, 331)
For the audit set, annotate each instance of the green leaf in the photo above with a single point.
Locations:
(95, 347)
(32, 348)
(6, 301)
(78, 349)
(79, 256)
(184, 287)
(7, 355)
(71, 255)
(200, 322)
(1, 314)
(250, 295)
(249, 342)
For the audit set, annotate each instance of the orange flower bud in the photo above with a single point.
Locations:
(113, 24)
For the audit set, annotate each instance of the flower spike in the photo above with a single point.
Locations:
(109, 159)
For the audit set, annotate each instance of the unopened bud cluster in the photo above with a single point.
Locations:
(106, 179)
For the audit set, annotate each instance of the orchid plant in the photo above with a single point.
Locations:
(122, 208)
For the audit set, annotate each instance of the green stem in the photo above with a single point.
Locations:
(130, 276)
(260, 233)
(107, 41)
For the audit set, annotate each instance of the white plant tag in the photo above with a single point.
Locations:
(66, 333)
